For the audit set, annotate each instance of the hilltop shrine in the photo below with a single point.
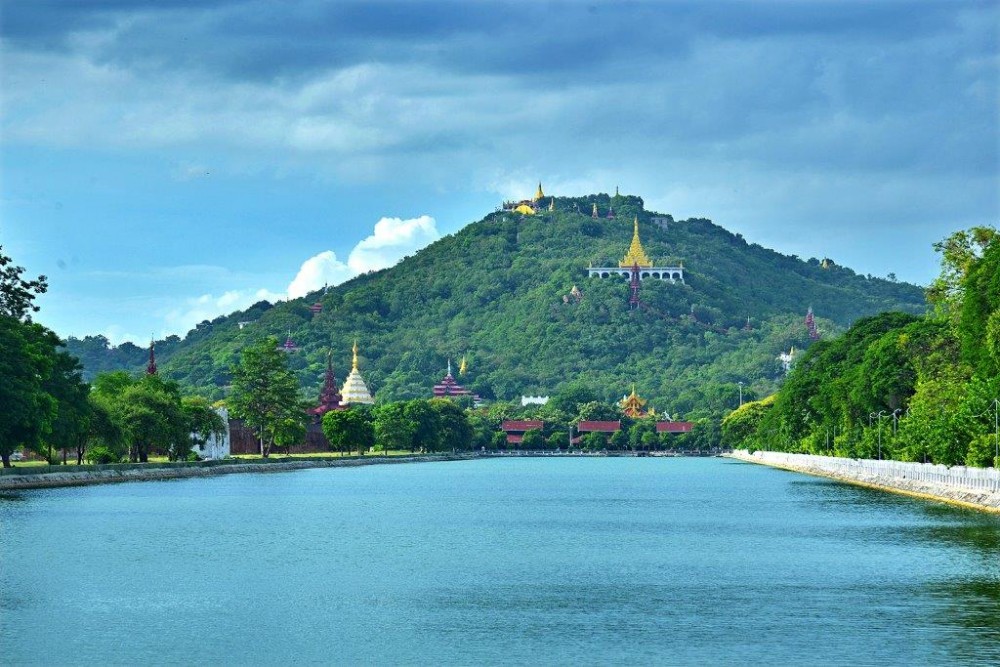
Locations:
(637, 262)
(529, 206)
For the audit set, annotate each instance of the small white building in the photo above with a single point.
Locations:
(217, 445)
(534, 400)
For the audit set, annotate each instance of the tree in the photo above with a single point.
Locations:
(265, 392)
(150, 411)
(345, 429)
(17, 295)
(393, 430)
(70, 425)
(425, 424)
(533, 439)
(27, 355)
(453, 425)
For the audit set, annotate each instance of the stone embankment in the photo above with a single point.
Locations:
(26, 477)
(978, 488)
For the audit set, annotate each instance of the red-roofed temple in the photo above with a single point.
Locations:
(329, 396)
(516, 428)
(449, 386)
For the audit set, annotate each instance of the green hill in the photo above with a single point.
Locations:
(495, 291)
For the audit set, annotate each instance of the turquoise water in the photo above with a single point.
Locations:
(526, 562)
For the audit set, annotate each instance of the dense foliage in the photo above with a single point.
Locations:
(899, 386)
(495, 291)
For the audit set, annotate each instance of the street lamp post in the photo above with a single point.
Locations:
(880, 415)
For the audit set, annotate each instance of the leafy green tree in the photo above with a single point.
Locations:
(103, 431)
(393, 429)
(265, 392)
(69, 427)
(425, 424)
(594, 441)
(348, 429)
(27, 356)
(453, 425)
(17, 295)
(151, 412)
(533, 439)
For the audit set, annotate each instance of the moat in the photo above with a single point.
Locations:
(514, 561)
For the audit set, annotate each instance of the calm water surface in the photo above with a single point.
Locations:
(532, 562)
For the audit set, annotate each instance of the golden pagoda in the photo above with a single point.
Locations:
(463, 366)
(355, 390)
(632, 405)
(636, 255)
(539, 195)
(524, 209)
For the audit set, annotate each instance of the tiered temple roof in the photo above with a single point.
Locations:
(151, 366)
(449, 386)
(355, 390)
(633, 405)
(329, 397)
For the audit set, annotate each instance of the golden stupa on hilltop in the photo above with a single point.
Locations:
(539, 195)
(636, 255)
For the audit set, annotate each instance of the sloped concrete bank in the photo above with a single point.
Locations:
(14, 479)
(976, 488)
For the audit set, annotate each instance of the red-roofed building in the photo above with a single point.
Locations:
(674, 427)
(515, 428)
(449, 386)
(599, 426)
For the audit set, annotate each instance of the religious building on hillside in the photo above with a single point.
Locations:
(355, 389)
(638, 261)
(529, 206)
(329, 398)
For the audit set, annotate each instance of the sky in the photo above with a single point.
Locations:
(164, 162)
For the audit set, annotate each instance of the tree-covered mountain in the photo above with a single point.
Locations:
(499, 293)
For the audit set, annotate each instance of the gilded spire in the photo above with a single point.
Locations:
(539, 195)
(354, 362)
(636, 255)
(463, 366)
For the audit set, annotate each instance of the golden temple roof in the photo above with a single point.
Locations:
(632, 405)
(524, 209)
(636, 255)
(539, 195)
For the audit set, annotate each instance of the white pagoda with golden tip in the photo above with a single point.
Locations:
(355, 390)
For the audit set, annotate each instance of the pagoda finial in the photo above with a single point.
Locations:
(636, 255)
(449, 366)
(552, 204)
(593, 213)
(354, 362)
(463, 366)
(539, 195)
(151, 367)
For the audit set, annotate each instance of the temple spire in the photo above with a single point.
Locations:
(463, 366)
(539, 195)
(449, 366)
(151, 367)
(552, 204)
(636, 254)
(354, 361)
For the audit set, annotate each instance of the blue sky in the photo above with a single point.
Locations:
(164, 162)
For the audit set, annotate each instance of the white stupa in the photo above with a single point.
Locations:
(355, 390)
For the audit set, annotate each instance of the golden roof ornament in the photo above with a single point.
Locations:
(539, 195)
(632, 405)
(636, 254)
(354, 362)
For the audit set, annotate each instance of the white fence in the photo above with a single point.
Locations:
(985, 480)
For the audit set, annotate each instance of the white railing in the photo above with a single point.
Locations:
(974, 479)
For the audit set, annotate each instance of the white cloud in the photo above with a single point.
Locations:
(392, 239)
(318, 270)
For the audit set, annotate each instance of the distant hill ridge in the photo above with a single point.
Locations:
(499, 292)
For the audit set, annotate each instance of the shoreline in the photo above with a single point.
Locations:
(856, 473)
(120, 473)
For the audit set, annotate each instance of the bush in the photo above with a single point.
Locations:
(100, 454)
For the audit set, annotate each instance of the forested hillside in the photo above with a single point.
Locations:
(495, 290)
